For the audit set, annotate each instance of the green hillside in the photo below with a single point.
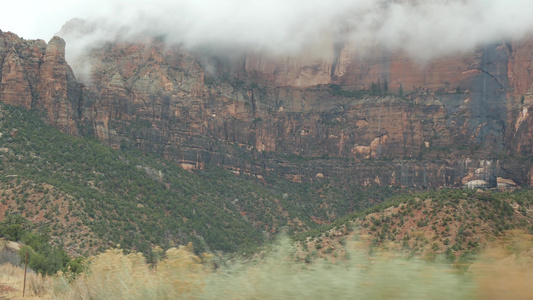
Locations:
(456, 223)
(92, 197)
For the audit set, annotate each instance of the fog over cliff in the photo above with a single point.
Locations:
(425, 29)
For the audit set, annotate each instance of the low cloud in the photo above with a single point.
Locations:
(424, 29)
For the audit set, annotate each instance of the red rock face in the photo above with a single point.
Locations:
(36, 75)
(52, 87)
(520, 131)
(479, 92)
(20, 62)
(160, 99)
(520, 67)
(14, 87)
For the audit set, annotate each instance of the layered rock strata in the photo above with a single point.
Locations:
(381, 118)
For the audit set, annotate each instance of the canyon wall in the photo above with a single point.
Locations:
(379, 118)
(35, 75)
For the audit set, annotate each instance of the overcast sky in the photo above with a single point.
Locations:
(424, 28)
(41, 19)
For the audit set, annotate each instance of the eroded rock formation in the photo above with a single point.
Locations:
(458, 120)
(36, 75)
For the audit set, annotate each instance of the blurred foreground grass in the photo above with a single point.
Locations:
(503, 271)
(182, 275)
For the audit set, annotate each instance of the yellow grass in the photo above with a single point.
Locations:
(113, 275)
(12, 281)
(504, 271)
(182, 275)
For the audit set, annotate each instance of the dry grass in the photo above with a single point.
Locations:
(505, 270)
(113, 275)
(181, 275)
(12, 280)
(384, 276)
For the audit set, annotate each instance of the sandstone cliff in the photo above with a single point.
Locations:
(459, 119)
(36, 75)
